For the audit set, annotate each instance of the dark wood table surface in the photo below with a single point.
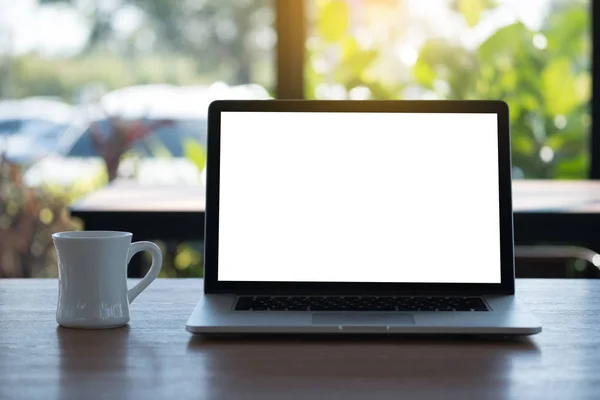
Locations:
(154, 357)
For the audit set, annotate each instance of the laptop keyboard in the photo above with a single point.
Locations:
(346, 303)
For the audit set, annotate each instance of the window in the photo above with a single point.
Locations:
(135, 60)
(119, 92)
(94, 92)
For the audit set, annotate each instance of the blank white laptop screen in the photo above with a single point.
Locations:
(359, 197)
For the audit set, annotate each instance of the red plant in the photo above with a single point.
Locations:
(121, 136)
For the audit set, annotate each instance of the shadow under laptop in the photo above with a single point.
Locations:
(324, 365)
(524, 343)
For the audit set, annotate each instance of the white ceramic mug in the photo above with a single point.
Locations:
(92, 277)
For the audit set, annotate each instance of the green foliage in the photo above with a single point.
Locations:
(544, 77)
(558, 87)
(547, 89)
(184, 45)
(354, 62)
(333, 20)
(194, 152)
(77, 189)
(198, 29)
(472, 9)
(36, 76)
(568, 31)
(441, 61)
(183, 260)
(28, 218)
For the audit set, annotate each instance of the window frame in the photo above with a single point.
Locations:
(290, 26)
(594, 172)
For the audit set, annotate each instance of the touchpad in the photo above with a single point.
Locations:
(362, 318)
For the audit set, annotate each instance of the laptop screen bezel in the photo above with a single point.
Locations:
(211, 242)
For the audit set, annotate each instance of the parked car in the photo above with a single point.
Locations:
(177, 116)
(185, 107)
(31, 128)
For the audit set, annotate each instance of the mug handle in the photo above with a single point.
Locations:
(156, 254)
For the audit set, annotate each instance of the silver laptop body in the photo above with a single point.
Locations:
(359, 217)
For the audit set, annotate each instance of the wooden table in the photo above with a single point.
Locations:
(154, 357)
(167, 212)
(558, 212)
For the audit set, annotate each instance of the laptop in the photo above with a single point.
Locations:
(357, 217)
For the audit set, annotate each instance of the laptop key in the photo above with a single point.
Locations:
(297, 308)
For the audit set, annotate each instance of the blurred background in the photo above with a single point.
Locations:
(93, 92)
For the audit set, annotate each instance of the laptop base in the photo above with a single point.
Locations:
(215, 314)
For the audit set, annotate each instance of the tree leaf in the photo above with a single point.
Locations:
(472, 10)
(333, 20)
(433, 53)
(423, 73)
(559, 87)
(193, 151)
(568, 143)
(452, 64)
(568, 30)
(355, 65)
(572, 168)
(523, 144)
(583, 86)
(506, 41)
(349, 46)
